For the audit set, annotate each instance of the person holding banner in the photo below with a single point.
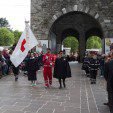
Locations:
(15, 71)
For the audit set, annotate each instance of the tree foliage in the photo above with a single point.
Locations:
(17, 35)
(4, 23)
(94, 42)
(71, 42)
(6, 37)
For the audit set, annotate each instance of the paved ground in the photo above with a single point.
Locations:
(78, 97)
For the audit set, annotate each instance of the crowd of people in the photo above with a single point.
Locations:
(92, 63)
(59, 64)
(4, 62)
(33, 62)
(72, 57)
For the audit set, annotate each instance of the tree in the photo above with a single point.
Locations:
(6, 37)
(4, 23)
(94, 42)
(17, 35)
(71, 42)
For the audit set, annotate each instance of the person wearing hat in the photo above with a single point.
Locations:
(47, 65)
(93, 68)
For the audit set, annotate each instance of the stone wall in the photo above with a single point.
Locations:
(45, 12)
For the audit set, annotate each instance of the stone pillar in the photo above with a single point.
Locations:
(59, 46)
(82, 45)
(103, 45)
(52, 42)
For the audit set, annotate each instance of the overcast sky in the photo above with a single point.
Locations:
(15, 11)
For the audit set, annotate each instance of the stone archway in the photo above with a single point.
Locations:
(75, 23)
(69, 32)
(45, 12)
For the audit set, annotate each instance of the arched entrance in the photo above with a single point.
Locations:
(78, 24)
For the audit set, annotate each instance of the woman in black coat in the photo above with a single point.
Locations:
(61, 69)
(32, 67)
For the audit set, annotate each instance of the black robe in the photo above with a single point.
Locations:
(15, 70)
(109, 71)
(106, 66)
(61, 68)
(32, 67)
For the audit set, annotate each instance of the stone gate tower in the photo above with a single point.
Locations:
(56, 19)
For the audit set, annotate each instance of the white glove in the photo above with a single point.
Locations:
(46, 57)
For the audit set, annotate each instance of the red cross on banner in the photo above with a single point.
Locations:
(22, 45)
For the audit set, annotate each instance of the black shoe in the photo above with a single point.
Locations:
(60, 87)
(107, 104)
(64, 85)
(16, 78)
(92, 82)
(88, 75)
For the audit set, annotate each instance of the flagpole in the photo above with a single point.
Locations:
(26, 21)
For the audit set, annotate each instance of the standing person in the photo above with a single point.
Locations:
(4, 65)
(1, 64)
(7, 60)
(15, 71)
(23, 64)
(109, 71)
(102, 63)
(40, 57)
(106, 66)
(85, 65)
(32, 67)
(61, 69)
(93, 67)
(47, 71)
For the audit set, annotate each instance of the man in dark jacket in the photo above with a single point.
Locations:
(106, 68)
(102, 63)
(109, 71)
(61, 69)
(85, 65)
(93, 67)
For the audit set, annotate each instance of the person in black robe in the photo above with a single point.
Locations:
(32, 68)
(106, 71)
(15, 71)
(61, 69)
(109, 71)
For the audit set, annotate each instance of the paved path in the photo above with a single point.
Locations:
(78, 97)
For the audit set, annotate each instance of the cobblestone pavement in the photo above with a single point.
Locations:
(78, 97)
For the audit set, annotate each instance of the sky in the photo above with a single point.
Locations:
(16, 12)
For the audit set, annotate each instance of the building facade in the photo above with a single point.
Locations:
(54, 20)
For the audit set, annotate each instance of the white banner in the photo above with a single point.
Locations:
(26, 42)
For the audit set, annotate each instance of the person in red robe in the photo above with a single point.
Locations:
(48, 64)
